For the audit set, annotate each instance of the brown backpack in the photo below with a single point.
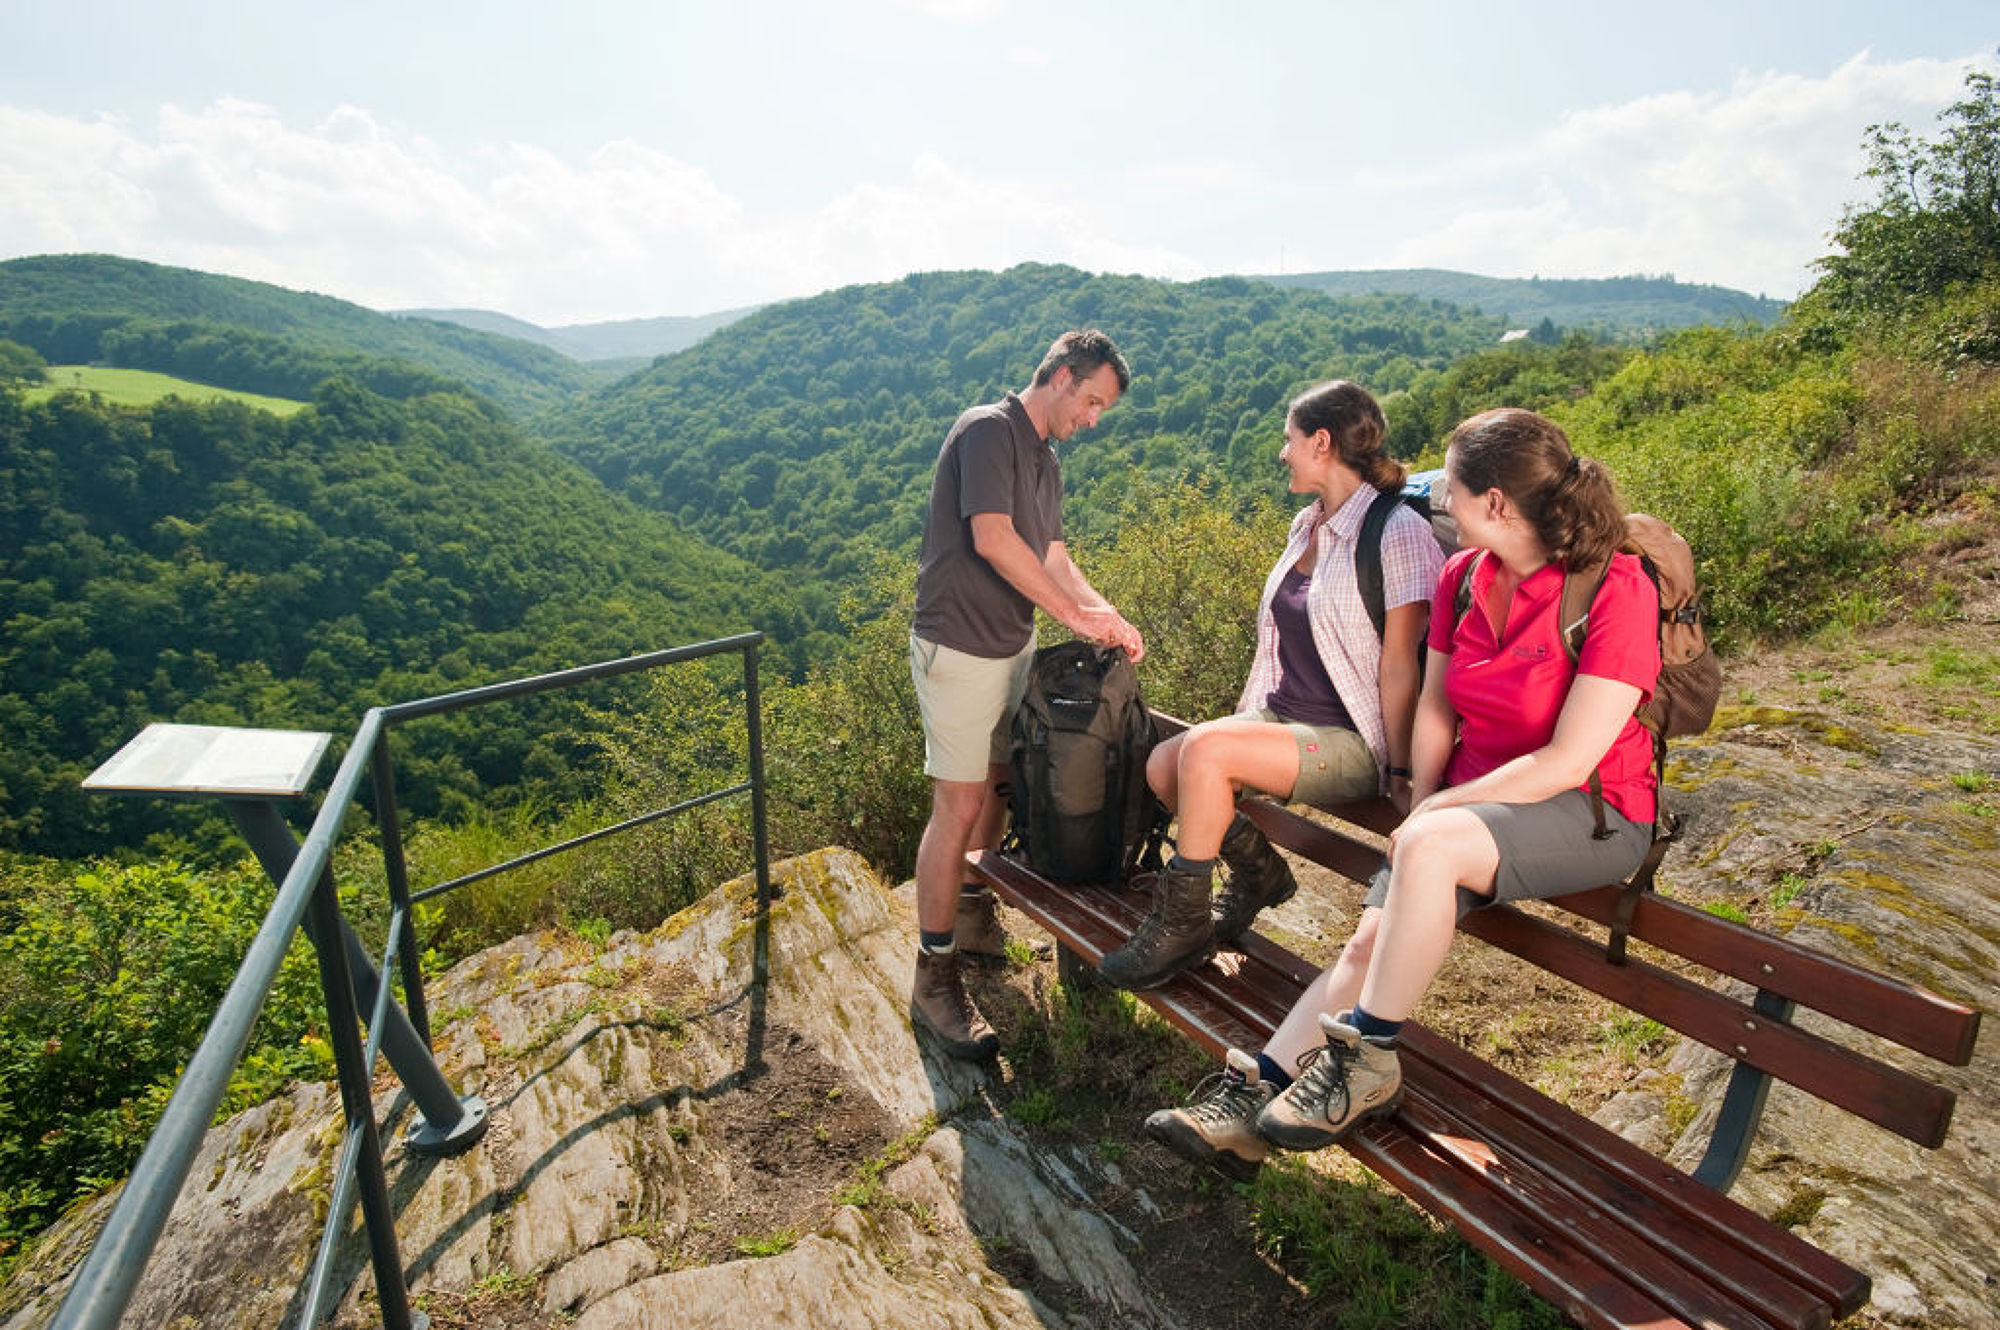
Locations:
(1683, 700)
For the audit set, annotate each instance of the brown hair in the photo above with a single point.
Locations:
(1355, 423)
(1568, 499)
(1083, 351)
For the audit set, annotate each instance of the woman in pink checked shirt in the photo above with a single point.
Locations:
(1325, 715)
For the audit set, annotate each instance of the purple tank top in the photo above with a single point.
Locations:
(1304, 693)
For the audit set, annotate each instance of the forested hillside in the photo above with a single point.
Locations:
(81, 308)
(217, 564)
(806, 433)
(1622, 308)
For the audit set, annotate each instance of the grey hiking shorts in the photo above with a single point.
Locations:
(1546, 849)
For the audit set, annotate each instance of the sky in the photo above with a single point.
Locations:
(613, 159)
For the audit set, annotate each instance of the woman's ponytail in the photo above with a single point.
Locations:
(1570, 500)
(1355, 423)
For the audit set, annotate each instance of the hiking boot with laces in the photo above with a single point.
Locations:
(977, 935)
(1341, 1085)
(940, 1002)
(1258, 878)
(1218, 1127)
(1175, 936)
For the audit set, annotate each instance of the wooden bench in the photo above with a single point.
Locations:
(1606, 1231)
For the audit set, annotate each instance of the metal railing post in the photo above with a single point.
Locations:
(388, 822)
(343, 1020)
(450, 1123)
(753, 707)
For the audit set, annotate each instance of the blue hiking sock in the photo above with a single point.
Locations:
(935, 944)
(1198, 867)
(1272, 1073)
(1374, 1027)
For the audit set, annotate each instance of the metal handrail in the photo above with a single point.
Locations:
(110, 1273)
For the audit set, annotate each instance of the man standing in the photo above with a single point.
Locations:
(993, 550)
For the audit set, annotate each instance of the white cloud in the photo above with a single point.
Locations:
(350, 208)
(1737, 188)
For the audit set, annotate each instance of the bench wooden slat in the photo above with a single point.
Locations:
(1544, 1259)
(1524, 1224)
(1615, 1186)
(1912, 1016)
(1706, 1282)
(1662, 1182)
(1891, 1098)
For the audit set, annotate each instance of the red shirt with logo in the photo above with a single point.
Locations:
(1508, 690)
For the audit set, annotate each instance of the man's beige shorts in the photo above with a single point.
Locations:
(968, 704)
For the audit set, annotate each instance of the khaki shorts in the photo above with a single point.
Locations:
(1335, 764)
(968, 704)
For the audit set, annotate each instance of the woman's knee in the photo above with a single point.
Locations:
(1446, 845)
(1163, 769)
(1206, 749)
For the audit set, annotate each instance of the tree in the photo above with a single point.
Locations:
(1933, 228)
(20, 364)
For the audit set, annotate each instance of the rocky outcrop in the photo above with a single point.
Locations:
(675, 1143)
(672, 1143)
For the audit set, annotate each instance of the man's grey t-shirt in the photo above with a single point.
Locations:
(993, 461)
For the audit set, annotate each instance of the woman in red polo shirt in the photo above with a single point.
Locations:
(1507, 737)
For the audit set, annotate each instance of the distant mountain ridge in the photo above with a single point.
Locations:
(1622, 306)
(619, 340)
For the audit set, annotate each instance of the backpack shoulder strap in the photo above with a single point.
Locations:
(1579, 593)
(1368, 557)
(1461, 602)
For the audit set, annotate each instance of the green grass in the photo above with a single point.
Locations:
(1369, 1261)
(139, 387)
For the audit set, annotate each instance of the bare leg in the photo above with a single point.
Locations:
(1333, 991)
(1435, 854)
(1163, 770)
(1215, 760)
(962, 813)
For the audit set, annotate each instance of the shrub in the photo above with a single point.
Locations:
(107, 980)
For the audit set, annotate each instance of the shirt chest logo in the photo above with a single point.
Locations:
(1534, 651)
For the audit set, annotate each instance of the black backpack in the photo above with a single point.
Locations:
(1415, 495)
(1082, 811)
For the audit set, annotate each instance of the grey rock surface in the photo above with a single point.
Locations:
(634, 1096)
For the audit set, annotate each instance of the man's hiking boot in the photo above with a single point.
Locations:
(940, 1002)
(1258, 878)
(1176, 936)
(1219, 1125)
(1341, 1085)
(977, 936)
